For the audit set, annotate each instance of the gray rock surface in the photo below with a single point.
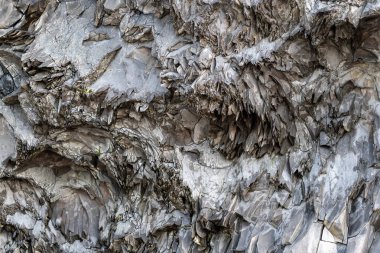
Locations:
(190, 126)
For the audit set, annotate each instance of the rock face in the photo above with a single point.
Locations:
(190, 126)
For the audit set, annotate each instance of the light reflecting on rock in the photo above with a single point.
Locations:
(189, 126)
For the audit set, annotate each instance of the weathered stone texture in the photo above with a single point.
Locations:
(190, 126)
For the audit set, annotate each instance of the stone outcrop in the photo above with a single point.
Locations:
(190, 126)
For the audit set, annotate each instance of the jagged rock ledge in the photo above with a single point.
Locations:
(189, 126)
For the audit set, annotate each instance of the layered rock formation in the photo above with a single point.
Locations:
(190, 126)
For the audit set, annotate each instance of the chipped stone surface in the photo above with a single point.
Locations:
(190, 126)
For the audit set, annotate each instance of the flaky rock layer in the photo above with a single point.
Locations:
(190, 126)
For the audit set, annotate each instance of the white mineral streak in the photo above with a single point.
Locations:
(21, 220)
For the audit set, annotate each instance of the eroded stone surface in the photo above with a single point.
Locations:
(189, 126)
